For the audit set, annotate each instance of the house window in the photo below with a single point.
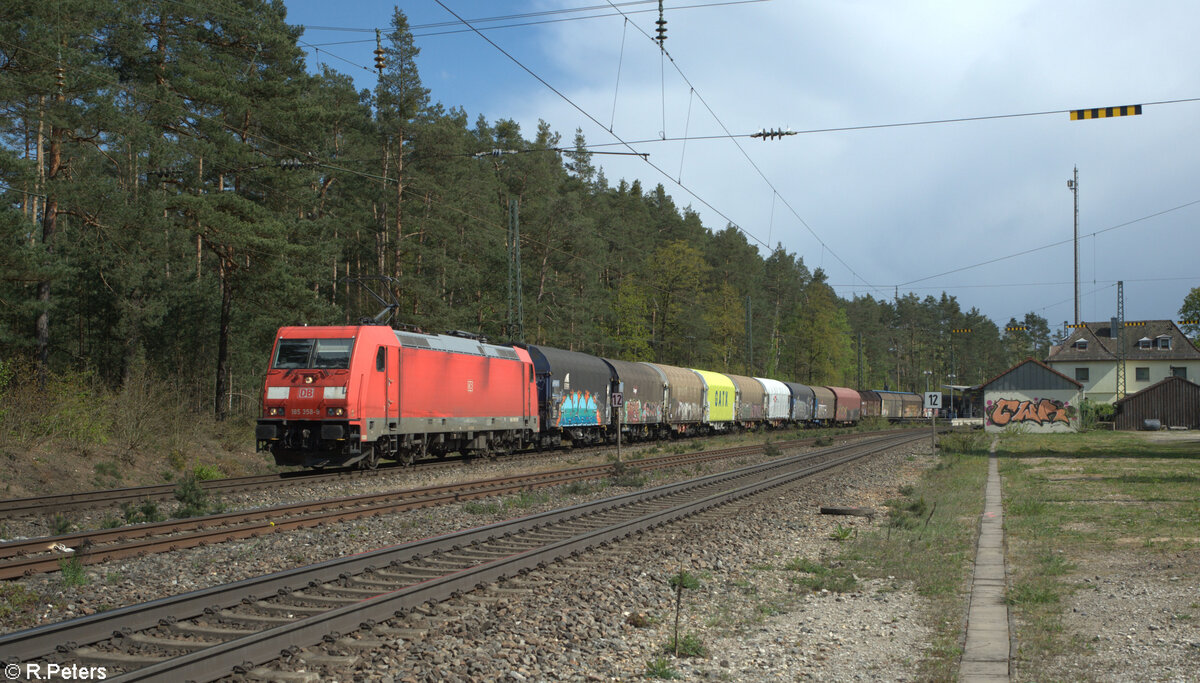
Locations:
(1081, 374)
(1142, 374)
(1081, 344)
(1164, 342)
(1179, 372)
(1144, 343)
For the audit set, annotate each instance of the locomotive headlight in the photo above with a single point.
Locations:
(335, 393)
(335, 412)
(275, 411)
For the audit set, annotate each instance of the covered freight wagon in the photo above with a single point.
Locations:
(573, 393)
(891, 404)
(644, 397)
(720, 396)
(824, 403)
(803, 402)
(751, 408)
(779, 400)
(848, 406)
(872, 404)
(912, 407)
(684, 402)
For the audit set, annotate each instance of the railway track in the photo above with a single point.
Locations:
(89, 500)
(242, 627)
(37, 555)
(45, 506)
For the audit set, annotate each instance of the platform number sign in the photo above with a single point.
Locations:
(933, 400)
(617, 399)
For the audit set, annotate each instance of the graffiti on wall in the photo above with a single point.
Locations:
(1041, 412)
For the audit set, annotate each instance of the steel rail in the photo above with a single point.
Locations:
(64, 637)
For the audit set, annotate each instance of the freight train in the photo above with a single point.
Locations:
(359, 394)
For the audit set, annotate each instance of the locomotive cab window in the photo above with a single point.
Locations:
(381, 359)
(294, 354)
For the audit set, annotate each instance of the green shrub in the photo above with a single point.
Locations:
(65, 406)
(206, 472)
(687, 646)
(841, 533)
(72, 570)
(193, 499)
(146, 511)
(1092, 413)
(660, 668)
(59, 524)
(972, 442)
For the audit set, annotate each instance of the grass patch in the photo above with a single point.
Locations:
(927, 541)
(17, 605)
(474, 507)
(1068, 497)
(628, 476)
(817, 577)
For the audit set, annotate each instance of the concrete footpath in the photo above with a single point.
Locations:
(985, 658)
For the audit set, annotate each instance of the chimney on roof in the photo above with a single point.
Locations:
(1112, 328)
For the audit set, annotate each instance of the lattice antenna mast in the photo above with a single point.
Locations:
(1120, 339)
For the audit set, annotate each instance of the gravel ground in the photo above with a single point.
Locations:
(1131, 620)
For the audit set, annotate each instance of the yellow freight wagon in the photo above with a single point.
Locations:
(720, 396)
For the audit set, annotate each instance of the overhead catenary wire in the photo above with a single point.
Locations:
(754, 165)
(1052, 244)
(430, 28)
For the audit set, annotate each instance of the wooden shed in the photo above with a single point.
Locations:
(1174, 402)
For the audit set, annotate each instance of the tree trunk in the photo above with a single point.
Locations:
(224, 272)
(49, 227)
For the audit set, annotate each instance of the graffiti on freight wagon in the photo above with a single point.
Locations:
(1006, 411)
(579, 409)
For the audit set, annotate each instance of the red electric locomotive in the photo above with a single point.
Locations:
(347, 395)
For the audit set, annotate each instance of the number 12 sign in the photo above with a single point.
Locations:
(933, 400)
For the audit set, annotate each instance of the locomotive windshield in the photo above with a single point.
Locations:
(295, 354)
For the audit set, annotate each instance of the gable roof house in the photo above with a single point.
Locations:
(1154, 350)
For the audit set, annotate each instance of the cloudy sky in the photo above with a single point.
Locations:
(923, 208)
